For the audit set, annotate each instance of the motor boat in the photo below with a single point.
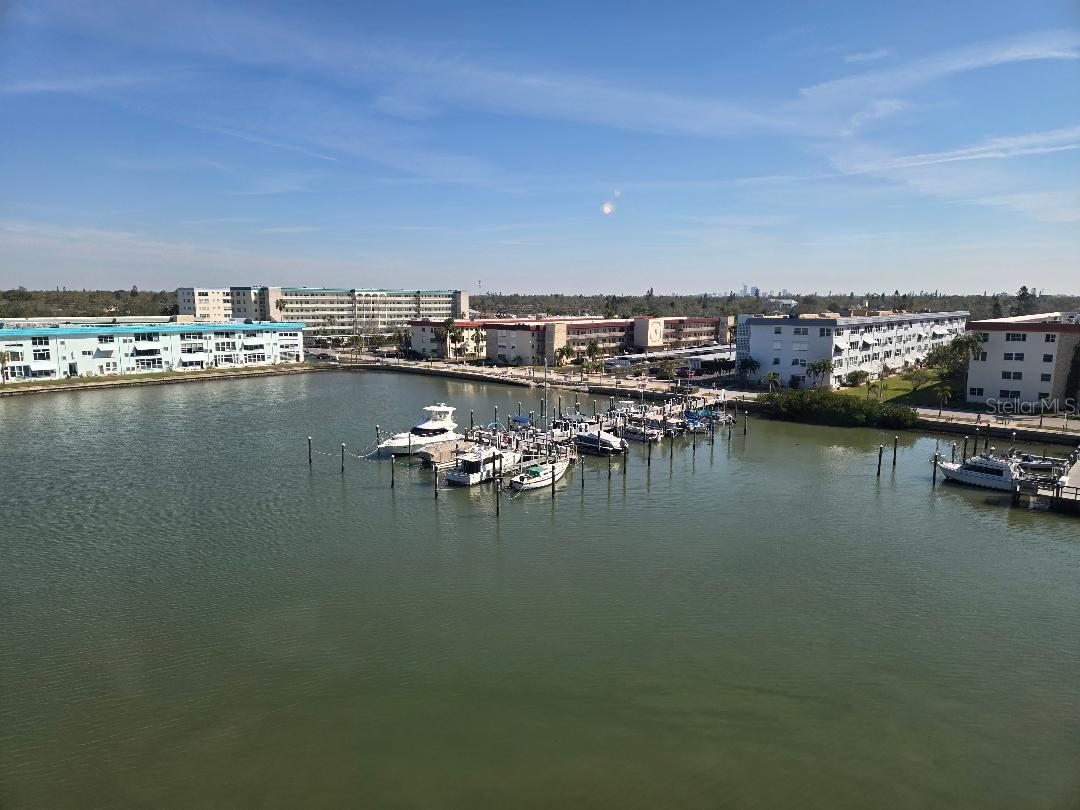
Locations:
(539, 475)
(481, 464)
(641, 433)
(595, 440)
(986, 470)
(437, 426)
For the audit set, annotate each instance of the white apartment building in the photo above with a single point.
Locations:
(879, 343)
(328, 311)
(56, 352)
(1027, 359)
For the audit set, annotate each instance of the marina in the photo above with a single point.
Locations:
(725, 612)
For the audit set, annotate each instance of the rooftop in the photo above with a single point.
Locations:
(858, 320)
(1041, 322)
(165, 328)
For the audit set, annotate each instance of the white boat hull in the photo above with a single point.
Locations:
(525, 482)
(402, 445)
(487, 472)
(956, 472)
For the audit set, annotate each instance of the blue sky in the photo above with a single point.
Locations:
(599, 147)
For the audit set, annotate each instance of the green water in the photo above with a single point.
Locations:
(191, 617)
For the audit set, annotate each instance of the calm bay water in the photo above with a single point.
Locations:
(193, 618)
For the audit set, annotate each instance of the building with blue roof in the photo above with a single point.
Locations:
(60, 350)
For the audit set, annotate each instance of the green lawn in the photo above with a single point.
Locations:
(898, 390)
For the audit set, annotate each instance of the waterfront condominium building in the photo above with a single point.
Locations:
(1027, 359)
(74, 350)
(328, 311)
(531, 341)
(878, 343)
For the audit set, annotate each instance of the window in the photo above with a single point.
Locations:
(825, 332)
(798, 362)
(39, 341)
(801, 330)
(985, 337)
(106, 339)
(88, 353)
(1045, 377)
(41, 354)
(776, 330)
(981, 357)
(191, 336)
(1018, 356)
(776, 361)
(146, 337)
(1005, 393)
(1015, 337)
(146, 363)
(1012, 375)
(1049, 338)
(975, 392)
(1048, 358)
(227, 346)
(1044, 395)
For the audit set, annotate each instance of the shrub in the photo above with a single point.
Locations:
(856, 378)
(823, 407)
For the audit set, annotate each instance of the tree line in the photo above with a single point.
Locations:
(1024, 301)
(61, 303)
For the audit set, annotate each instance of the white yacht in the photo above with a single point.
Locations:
(539, 475)
(986, 470)
(595, 440)
(437, 426)
(480, 464)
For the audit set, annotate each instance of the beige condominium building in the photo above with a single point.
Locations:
(532, 341)
(1027, 360)
(328, 311)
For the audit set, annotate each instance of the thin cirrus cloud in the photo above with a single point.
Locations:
(75, 84)
(1036, 143)
(867, 56)
(891, 81)
(416, 84)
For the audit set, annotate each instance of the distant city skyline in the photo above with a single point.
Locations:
(552, 147)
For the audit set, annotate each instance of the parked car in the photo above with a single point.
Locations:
(685, 372)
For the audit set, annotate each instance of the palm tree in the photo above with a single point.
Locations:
(747, 367)
(944, 394)
(869, 386)
(356, 343)
(825, 370)
(279, 305)
(773, 379)
(4, 358)
(478, 341)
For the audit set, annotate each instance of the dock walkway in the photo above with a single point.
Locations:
(1047, 493)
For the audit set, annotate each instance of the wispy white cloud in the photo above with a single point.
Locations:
(961, 176)
(283, 183)
(876, 111)
(892, 81)
(73, 84)
(867, 56)
(1001, 148)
